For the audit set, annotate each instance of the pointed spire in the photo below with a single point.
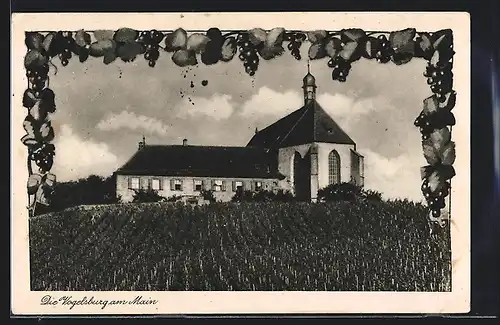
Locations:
(308, 66)
(143, 139)
(256, 130)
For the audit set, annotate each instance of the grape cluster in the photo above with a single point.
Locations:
(384, 51)
(248, 54)
(341, 68)
(440, 79)
(37, 77)
(43, 155)
(438, 120)
(151, 40)
(295, 42)
(436, 201)
(66, 44)
(423, 121)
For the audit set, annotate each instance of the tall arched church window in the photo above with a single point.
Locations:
(333, 167)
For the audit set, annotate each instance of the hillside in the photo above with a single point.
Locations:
(248, 246)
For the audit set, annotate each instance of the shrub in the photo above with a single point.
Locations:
(262, 196)
(208, 195)
(372, 195)
(147, 195)
(340, 192)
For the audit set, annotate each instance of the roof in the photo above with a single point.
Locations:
(202, 161)
(306, 125)
(309, 80)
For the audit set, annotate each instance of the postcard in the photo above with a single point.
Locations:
(238, 163)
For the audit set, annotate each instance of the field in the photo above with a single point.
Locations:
(342, 246)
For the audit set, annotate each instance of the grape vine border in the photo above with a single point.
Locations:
(212, 46)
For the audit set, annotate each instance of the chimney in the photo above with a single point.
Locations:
(142, 143)
(185, 142)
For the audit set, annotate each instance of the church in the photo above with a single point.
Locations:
(301, 153)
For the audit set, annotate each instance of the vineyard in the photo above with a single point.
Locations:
(338, 246)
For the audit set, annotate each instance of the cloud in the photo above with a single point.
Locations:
(76, 157)
(217, 106)
(132, 121)
(348, 110)
(397, 177)
(269, 102)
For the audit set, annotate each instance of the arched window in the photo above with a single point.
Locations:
(333, 167)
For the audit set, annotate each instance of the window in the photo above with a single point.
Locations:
(218, 186)
(198, 185)
(258, 186)
(155, 184)
(237, 186)
(133, 183)
(333, 167)
(176, 185)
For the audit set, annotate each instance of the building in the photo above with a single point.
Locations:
(302, 152)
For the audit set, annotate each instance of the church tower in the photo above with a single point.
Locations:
(309, 86)
(313, 150)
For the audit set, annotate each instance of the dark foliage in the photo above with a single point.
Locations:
(262, 196)
(147, 195)
(85, 191)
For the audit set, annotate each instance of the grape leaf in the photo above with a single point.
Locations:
(424, 171)
(82, 38)
(101, 47)
(29, 99)
(34, 181)
(403, 45)
(431, 105)
(371, 47)
(430, 153)
(352, 35)
(34, 41)
(47, 132)
(350, 51)
(37, 112)
(333, 46)
(425, 43)
(439, 138)
(34, 59)
(83, 54)
(50, 179)
(257, 36)
(53, 44)
(197, 42)
(442, 40)
(184, 58)
(268, 53)
(129, 51)
(275, 37)
(212, 53)
(450, 101)
(436, 182)
(435, 59)
(109, 57)
(316, 36)
(103, 35)
(228, 49)
(42, 194)
(317, 51)
(125, 35)
(28, 140)
(448, 154)
(176, 40)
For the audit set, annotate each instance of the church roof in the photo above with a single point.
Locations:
(309, 80)
(306, 125)
(202, 161)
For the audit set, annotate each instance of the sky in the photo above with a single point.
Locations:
(104, 110)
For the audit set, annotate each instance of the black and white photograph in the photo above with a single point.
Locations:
(235, 154)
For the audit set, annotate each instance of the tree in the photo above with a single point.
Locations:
(147, 195)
